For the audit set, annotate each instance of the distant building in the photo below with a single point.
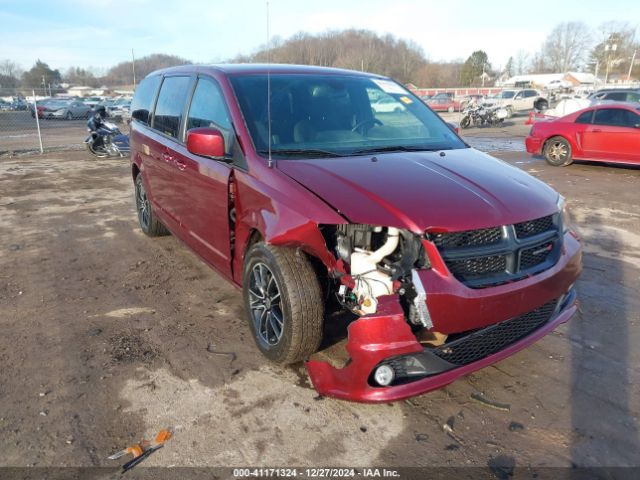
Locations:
(79, 91)
(580, 78)
(535, 80)
(541, 80)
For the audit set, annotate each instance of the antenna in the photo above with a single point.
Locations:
(270, 163)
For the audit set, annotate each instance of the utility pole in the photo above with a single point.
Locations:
(633, 60)
(133, 67)
(609, 48)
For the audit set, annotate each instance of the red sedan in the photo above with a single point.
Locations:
(607, 133)
(444, 104)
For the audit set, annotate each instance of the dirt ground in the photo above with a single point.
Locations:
(108, 336)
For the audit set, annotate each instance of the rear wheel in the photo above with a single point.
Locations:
(283, 301)
(146, 218)
(557, 151)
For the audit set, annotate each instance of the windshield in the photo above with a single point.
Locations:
(506, 94)
(334, 115)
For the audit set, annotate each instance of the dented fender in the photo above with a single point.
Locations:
(284, 214)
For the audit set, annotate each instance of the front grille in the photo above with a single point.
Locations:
(478, 266)
(489, 340)
(533, 256)
(485, 236)
(494, 256)
(534, 227)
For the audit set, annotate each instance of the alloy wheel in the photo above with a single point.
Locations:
(558, 151)
(142, 204)
(265, 306)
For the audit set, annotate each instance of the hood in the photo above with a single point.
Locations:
(462, 190)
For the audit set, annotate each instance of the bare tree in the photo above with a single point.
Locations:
(566, 46)
(521, 62)
(616, 47)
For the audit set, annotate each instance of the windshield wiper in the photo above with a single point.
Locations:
(301, 152)
(395, 148)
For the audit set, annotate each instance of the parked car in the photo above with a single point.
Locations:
(554, 85)
(608, 132)
(119, 109)
(387, 105)
(4, 105)
(444, 104)
(19, 104)
(311, 194)
(92, 101)
(515, 101)
(626, 95)
(65, 109)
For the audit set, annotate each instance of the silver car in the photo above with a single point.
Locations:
(66, 109)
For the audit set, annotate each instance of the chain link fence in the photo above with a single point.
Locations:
(33, 122)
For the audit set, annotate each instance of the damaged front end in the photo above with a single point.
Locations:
(409, 337)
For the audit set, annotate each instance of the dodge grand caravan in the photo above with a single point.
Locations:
(289, 184)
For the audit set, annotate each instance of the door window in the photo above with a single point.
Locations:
(616, 117)
(170, 106)
(633, 97)
(208, 109)
(617, 96)
(142, 102)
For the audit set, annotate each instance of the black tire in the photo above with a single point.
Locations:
(465, 122)
(557, 152)
(541, 105)
(97, 153)
(147, 220)
(299, 303)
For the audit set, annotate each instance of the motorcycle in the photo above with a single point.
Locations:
(480, 115)
(105, 139)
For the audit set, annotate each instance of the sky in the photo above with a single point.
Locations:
(101, 33)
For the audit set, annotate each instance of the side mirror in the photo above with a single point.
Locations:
(204, 141)
(454, 127)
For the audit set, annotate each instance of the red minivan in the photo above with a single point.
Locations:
(289, 184)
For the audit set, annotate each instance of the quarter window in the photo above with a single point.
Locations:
(142, 102)
(585, 117)
(171, 101)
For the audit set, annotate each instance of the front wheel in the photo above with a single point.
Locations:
(465, 122)
(557, 151)
(283, 301)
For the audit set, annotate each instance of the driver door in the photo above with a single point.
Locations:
(203, 208)
(613, 135)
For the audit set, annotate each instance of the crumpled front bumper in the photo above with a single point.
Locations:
(386, 334)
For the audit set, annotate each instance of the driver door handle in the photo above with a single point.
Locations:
(180, 163)
(596, 130)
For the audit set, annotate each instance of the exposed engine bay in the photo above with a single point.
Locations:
(380, 261)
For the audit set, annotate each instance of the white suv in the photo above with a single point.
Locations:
(518, 100)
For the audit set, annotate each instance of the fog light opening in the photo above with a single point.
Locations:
(384, 375)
